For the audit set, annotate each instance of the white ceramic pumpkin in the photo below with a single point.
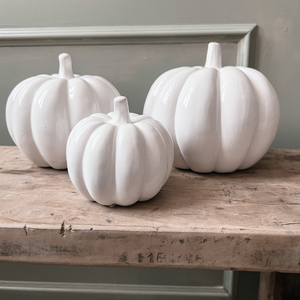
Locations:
(119, 158)
(42, 110)
(220, 119)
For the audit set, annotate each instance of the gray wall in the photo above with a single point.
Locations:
(275, 51)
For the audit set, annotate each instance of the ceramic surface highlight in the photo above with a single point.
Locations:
(220, 119)
(119, 158)
(42, 110)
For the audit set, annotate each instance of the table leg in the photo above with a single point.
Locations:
(279, 286)
(266, 286)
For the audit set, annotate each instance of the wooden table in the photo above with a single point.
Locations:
(246, 220)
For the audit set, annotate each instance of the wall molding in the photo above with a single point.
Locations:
(121, 290)
(230, 283)
(102, 35)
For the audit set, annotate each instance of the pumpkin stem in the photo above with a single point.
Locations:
(214, 56)
(65, 66)
(121, 111)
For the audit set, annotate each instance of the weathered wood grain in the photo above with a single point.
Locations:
(246, 220)
(267, 286)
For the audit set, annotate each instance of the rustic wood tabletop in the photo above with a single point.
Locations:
(246, 220)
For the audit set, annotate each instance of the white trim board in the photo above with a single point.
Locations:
(116, 35)
(113, 289)
(118, 291)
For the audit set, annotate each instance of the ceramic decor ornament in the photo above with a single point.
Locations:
(42, 110)
(220, 119)
(119, 158)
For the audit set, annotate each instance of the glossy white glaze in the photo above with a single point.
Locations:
(220, 119)
(42, 110)
(119, 158)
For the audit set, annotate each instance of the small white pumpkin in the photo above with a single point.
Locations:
(220, 119)
(119, 158)
(42, 110)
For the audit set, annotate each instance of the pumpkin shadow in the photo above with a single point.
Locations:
(186, 189)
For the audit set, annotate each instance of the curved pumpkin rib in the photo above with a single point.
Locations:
(16, 100)
(239, 118)
(156, 89)
(81, 101)
(145, 169)
(107, 84)
(197, 120)
(21, 111)
(49, 123)
(130, 164)
(268, 116)
(135, 118)
(156, 165)
(168, 143)
(99, 170)
(156, 105)
(104, 91)
(167, 106)
(76, 146)
(13, 103)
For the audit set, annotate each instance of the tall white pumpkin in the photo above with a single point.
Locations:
(220, 119)
(119, 158)
(42, 110)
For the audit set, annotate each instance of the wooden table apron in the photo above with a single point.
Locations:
(246, 220)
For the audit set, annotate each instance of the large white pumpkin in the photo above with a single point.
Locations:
(42, 110)
(119, 158)
(220, 119)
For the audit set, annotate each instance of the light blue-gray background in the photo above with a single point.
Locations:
(133, 68)
(276, 54)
